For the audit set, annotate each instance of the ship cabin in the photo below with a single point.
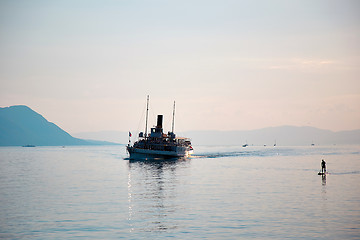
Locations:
(157, 135)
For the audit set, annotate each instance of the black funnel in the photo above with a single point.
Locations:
(159, 121)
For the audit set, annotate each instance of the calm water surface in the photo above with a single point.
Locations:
(222, 192)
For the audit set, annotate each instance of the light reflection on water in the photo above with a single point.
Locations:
(223, 192)
(152, 188)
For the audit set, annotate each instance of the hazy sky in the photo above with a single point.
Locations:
(229, 65)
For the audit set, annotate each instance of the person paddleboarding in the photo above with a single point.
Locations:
(323, 166)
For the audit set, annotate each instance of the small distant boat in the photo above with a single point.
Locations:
(158, 143)
(29, 145)
(245, 145)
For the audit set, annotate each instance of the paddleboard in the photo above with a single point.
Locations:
(320, 173)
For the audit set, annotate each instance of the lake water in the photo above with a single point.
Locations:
(222, 192)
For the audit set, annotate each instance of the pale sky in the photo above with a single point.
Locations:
(229, 65)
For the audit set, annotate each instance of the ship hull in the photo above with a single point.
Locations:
(139, 153)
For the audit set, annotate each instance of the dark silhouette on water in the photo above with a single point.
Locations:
(323, 168)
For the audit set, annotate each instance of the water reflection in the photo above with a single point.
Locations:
(152, 194)
(323, 179)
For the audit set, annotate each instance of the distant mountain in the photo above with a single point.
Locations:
(20, 125)
(283, 136)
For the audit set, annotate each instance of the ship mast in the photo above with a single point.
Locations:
(147, 111)
(173, 120)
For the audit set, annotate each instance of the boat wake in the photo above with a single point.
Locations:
(235, 154)
(269, 152)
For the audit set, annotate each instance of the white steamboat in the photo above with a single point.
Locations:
(159, 144)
